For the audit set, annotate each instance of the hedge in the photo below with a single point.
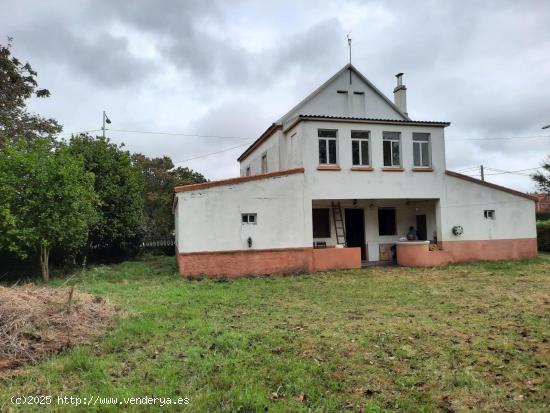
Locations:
(543, 236)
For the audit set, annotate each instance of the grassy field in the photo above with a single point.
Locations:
(463, 337)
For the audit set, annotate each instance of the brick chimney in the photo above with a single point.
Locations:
(400, 94)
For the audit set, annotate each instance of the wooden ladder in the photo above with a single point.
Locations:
(338, 223)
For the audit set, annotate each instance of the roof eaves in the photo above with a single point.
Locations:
(237, 180)
(490, 185)
(366, 120)
(267, 133)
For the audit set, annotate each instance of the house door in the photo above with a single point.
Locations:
(421, 228)
(355, 230)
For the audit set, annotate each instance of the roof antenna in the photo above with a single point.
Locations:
(349, 45)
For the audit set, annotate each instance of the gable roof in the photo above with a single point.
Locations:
(279, 123)
(349, 66)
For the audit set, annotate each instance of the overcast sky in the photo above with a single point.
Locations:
(232, 68)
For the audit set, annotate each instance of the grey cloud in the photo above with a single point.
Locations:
(484, 66)
(104, 61)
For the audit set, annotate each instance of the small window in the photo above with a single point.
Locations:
(247, 173)
(489, 214)
(321, 223)
(327, 147)
(360, 147)
(421, 149)
(358, 93)
(248, 218)
(386, 221)
(391, 147)
(264, 163)
(342, 91)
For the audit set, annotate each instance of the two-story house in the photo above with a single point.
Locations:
(339, 181)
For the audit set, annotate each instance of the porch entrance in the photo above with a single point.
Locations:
(355, 230)
(421, 228)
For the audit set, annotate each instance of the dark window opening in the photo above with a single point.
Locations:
(321, 223)
(386, 221)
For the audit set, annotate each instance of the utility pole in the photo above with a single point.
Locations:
(105, 120)
(482, 173)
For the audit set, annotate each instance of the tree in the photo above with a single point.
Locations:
(542, 178)
(46, 200)
(17, 85)
(160, 179)
(119, 187)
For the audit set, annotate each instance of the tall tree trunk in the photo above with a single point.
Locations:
(45, 262)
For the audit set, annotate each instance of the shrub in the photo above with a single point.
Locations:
(543, 236)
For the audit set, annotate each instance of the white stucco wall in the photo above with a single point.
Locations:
(210, 219)
(271, 147)
(462, 203)
(377, 184)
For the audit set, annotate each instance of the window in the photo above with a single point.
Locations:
(247, 173)
(360, 147)
(327, 146)
(391, 143)
(249, 218)
(421, 149)
(264, 163)
(321, 223)
(386, 221)
(489, 214)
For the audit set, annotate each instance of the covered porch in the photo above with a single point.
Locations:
(375, 226)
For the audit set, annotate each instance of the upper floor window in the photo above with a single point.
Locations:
(360, 147)
(421, 149)
(247, 172)
(264, 163)
(327, 146)
(392, 143)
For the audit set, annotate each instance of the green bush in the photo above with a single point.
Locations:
(543, 236)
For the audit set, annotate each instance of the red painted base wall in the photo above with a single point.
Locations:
(462, 251)
(260, 262)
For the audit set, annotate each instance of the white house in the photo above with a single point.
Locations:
(338, 181)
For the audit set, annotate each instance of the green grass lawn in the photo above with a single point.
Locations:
(472, 336)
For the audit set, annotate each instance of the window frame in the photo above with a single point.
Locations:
(399, 145)
(247, 171)
(361, 141)
(247, 221)
(427, 142)
(327, 139)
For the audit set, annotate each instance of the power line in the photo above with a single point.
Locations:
(462, 170)
(192, 135)
(211, 153)
(498, 139)
(502, 172)
(514, 172)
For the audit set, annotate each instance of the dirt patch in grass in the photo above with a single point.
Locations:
(35, 322)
